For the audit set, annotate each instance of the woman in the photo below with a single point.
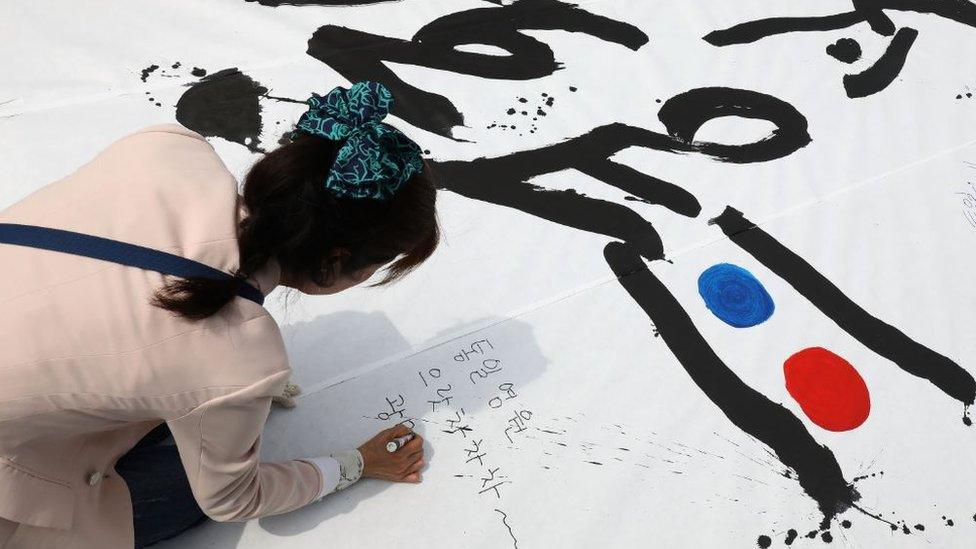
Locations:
(96, 353)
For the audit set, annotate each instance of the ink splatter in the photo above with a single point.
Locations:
(224, 104)
(791, 535)
(764, 542)
(828, 389)
(816, 468)
(735, 296)
(176, 65)
(846, 50)
(198, 72)
(147, 70)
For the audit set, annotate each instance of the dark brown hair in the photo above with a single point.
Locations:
(295, 219)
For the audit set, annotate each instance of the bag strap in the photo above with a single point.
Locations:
(106, 249)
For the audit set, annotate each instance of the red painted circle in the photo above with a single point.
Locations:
(828, 389)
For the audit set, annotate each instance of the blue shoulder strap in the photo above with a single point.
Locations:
(118, 252)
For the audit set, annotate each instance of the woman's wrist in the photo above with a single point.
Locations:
(350, 467)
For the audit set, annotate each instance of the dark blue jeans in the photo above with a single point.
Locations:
(162, 503)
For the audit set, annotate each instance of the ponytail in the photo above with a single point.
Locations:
(293, 218)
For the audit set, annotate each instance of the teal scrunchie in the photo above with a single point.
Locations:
(376, 158)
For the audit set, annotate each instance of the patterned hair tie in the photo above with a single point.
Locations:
(376, 158)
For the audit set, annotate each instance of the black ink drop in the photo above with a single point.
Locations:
(197, 71)
(147, 70)
(224, 104)
(846, 50)
(764, 542)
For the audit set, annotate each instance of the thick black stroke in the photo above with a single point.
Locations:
(875, 334)
(684, 114)
(961, 11)
(884, 71)
(358, 55)
(277, 3)
(875, 16)
(752, 31)
(816, 468)
(503, 180)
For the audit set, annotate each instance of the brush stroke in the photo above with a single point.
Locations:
(960, 11)
(278, 3)
(884, 71)
(875, 16)
(816, 468)
(358, 55)
(880, 337)
(684, 114)
(504, 180)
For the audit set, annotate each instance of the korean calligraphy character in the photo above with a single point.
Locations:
(445, 398)
(396, 410)
(517, 423)
(476, 348)
(455, 425)
(473, 452)
(432, 372)
(492, 478)
(488, 366)
(508, 392)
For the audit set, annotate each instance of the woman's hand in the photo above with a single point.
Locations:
(400, 466)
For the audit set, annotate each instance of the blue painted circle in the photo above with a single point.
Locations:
(735, 296)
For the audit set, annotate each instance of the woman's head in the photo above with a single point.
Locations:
(324, 240)
(325, 243)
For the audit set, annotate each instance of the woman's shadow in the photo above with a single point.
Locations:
(311, 348)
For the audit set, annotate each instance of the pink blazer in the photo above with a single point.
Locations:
(87, 366)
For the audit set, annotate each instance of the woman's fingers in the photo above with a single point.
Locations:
(415, 444)
(398, 431)
(416, 466)
(412, 478)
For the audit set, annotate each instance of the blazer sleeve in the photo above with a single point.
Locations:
(219, 444)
